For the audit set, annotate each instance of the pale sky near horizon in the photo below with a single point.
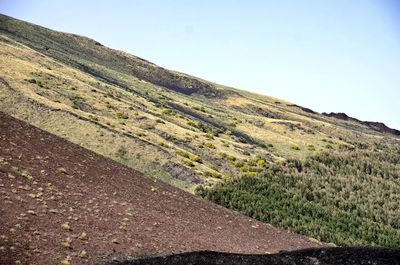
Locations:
(339, 56)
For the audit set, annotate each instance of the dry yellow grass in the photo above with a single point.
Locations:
(139, 128)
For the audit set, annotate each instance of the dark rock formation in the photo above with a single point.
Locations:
(321, 256)
(376, 126)
(303, 108)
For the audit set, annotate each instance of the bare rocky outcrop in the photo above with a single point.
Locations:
(182, 173)
(376, 126)
(321, 256)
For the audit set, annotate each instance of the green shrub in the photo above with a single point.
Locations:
(164, 145)
(213, 175)
(231, 158)
(295, 147)
(261, 162)
(183, 153)
(222, 154)
(121, 115)
(189, 163)
(309, 131)
(210, 145)
(169, 112)
(209, 136)
(192, 123)
(22, 173)
(228, 132)
(93, 117)
(195, 158)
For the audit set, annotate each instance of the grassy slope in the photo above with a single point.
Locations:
(179, 128)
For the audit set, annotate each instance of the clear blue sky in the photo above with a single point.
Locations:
(326, 55)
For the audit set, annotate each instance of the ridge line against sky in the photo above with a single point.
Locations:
(340, 56)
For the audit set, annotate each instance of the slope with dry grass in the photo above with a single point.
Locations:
(178, 128)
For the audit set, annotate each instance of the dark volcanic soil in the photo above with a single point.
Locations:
(323, 256)
(63, 203)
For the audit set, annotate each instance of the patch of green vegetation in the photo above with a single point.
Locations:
(22, 173)
(231, 157)
(164, 145)
(214, 174)
(328, 196)
(192, 123)
(93, 117)
(202, 109)
(169, 112)
(210, 145)
(196, 159)
(122, 116)
(188, 163)
(122, 153)
(190, 156)
(109, 106)
(309, 131)
(295, 147)
(310, 147)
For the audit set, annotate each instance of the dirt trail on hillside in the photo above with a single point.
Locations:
(63, 203)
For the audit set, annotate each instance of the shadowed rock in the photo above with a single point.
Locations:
(320, 256)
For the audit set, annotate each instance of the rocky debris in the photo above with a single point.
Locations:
(321, 256)
(182, 173)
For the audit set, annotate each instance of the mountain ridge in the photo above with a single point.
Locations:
(378, 126)
(45, 41)
(171, 79)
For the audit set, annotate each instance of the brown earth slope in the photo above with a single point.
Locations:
(63, 203)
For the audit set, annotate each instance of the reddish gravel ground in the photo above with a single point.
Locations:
(63, 204)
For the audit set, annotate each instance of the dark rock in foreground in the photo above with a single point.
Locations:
(320, 256)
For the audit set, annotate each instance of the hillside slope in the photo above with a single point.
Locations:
(94, 58)
(231, 145)
(63, 83)
(59, 201)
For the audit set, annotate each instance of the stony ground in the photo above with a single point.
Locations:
(321, 256)
(63, 204)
